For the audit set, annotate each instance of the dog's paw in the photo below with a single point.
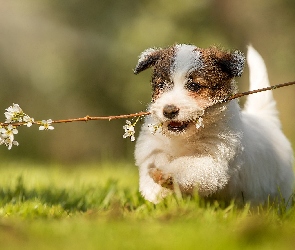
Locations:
(165, 180)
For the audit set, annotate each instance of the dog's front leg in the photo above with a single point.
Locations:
(153, 183)
(204, 174)
(161, 178)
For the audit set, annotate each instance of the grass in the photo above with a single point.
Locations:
(99, 207)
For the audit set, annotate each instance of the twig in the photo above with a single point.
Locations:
(113, 117)
(82, 119)
(238, 95)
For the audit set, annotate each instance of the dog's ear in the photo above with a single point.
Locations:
(147, 59)
(237, 63)
(234, 63)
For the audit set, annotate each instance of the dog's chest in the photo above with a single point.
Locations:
(176, 147)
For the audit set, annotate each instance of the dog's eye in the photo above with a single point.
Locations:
(193, 85)
(161, 85)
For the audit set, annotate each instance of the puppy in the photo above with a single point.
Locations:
(201, 143)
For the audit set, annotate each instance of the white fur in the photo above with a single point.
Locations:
(187, 59)
(261, 103)
(241, 155)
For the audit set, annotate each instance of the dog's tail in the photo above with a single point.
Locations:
(263, 103)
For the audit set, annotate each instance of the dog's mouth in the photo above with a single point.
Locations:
(176, 126)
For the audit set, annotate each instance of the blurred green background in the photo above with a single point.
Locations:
(71, 58)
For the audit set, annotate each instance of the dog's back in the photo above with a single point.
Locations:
(268, 154)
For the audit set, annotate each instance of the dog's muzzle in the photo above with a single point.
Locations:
(170, 111)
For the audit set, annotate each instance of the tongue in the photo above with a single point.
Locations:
(175, 124)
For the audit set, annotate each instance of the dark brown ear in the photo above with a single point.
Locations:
(233, 64)
(147, 59)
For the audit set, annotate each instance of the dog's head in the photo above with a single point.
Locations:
(186, 80)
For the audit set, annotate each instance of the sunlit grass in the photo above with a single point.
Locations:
(97, 206)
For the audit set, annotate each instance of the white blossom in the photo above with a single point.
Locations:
(199, 123)
(7, 136)
(16, 117)
(14, 113)
(153, 128)
(8, 132)
(46, 125)
(28, 120)
(2, 140)
(8, 142)
(129, 130)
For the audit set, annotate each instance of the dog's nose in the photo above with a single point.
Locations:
(170, 111)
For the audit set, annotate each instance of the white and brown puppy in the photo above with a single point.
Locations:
(205, 144)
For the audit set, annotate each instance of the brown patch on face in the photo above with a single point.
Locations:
(213, 82)
(202, 99)
(161, 75)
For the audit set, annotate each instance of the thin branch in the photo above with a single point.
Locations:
(82, 119)
(238, 95)
(113, 117)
